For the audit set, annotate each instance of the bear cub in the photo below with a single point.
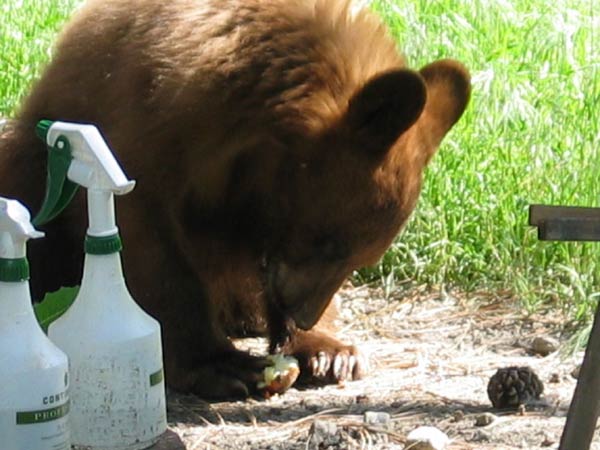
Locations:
(277, 145)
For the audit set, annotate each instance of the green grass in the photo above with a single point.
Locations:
(27, 29)
(530, 135)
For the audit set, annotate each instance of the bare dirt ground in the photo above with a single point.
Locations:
(431, 357)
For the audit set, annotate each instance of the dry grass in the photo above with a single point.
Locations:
(432, 356)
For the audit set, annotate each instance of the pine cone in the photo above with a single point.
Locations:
(514, 386)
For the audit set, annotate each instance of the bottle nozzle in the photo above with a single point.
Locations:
(16, 220)
(15, 230)
(79, 156)
(41, 129)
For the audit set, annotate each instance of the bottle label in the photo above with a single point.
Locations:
(44, 415)
(43, 427)
(157, 377)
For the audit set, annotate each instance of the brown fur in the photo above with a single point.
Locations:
(278, 145)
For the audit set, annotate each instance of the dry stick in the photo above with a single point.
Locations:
(585, 406)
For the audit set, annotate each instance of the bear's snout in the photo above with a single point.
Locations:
(303, 292)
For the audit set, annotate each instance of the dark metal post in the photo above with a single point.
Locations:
(570, 223)
(585, 406)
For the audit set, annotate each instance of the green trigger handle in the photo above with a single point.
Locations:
(59, 189)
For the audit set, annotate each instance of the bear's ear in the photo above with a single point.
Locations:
(448, 92)
(386, 106)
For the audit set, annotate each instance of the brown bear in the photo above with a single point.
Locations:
(278, 145)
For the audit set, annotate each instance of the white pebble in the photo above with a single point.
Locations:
(426, 438)
(377, 419)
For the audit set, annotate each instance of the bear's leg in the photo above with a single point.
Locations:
(199, 357)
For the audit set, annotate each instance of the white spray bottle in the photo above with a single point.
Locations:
(34, 404)
(117, 390)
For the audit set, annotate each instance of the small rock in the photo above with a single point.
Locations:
(377, 419)
(481, 436)
(575, 371)
(361, 399)
(323, 434)
(426, 438)
(554, 378)
(313, 404)
(548, 441)
(169, 441)
(544, 345)
(458, 415)
(483, 420)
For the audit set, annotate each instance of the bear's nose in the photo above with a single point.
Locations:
(304, 292)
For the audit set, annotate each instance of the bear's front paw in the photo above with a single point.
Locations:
(338, 365)
(324, 359)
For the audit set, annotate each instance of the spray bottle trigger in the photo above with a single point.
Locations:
(59, 189)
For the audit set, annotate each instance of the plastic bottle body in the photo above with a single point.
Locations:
(34, 402)
(114, 347)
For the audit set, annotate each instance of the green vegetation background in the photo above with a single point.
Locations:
(530, 135)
